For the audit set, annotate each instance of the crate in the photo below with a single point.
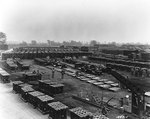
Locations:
(15, 85)
(25, 91)
(80, 113)
(43, 103)
(49, 87)
(21, 86)
(57, 110)
(56, 88)
(27, 77)
(32, 97)
(4, 76)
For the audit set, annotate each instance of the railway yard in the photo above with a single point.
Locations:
(41, 83)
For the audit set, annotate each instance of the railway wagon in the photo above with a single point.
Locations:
(50, 87)
(22, 66)
(44, 84)
(40, 61)
(57, 110)
(32, 98)
(4, 76)
(24, 92)
(80, 113)
(27, 77)
(43, 103)
(16, 85)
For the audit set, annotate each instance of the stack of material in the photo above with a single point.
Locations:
(79, 113)
(45, 83)
(57, 110)
(16, 85)
(99, 116)
(56, 88)
(40, 61)
(4, 76)
(25, 91)
(43, 103)
(50, 87)
(11, 65)
(32, 97)
(22, 65)
(27, 77)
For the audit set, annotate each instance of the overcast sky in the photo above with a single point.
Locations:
(80, 20)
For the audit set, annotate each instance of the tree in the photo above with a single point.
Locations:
(2, 37)
(93, 42)
(23, 43)
(33, 42)
(49, 42)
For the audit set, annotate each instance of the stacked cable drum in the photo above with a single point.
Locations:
(57, 110)
(43, 103)
(80, 113)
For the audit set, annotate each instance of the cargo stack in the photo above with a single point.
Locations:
(25, 91)
(50, 87)
(56, 88)
(4, 76)
(16, 86)
(57, 110)
(44, 84)
(11, 65)
(80, 113)
(27, 77)
(19, 86)
(33, 97)
(43, 103)
(40, 61)
(22, 66)
(99, 116)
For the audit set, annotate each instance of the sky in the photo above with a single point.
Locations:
(120, 21)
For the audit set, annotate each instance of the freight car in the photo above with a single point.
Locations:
(57, 110)
(18, 85)
(4, 76)
(43, 103)
(80, 113)
(50, 88)
(30, 76)
(32, 98)
(24, 92)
